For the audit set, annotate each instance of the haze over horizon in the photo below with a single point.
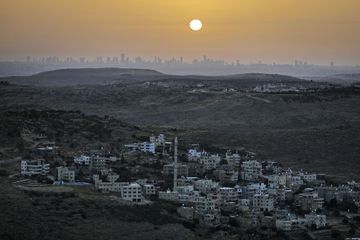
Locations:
(247, 30)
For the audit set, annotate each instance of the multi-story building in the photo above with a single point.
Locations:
(129, 191)
(250, 190)
(307, 177)
(251, 170)
(149, 189)
(205, 185)
(228, 175)
(315, 220)
(263, 202)
(228, 194)
(210, 162)
(204, 205)
(65, 174)
(276, 181)
(82, 160)
(207, 212)
(182, 169)
(339, 193)
(132, 192)
(34, 167)
(97, 162)
(291, 224)
(294, 181)
(195, 155)
(233, 159)
(110, 185)
(309, 201)
(147, 147)
(244, 205)
(158, 141)
(169, 195)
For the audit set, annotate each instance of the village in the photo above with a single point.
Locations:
(212, 189)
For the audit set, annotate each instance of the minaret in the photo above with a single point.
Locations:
(175, 163)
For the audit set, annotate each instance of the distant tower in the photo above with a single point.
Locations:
(175, 163)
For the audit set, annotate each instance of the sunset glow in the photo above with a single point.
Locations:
(249, 30)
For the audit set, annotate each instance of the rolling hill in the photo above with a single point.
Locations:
(317, 130)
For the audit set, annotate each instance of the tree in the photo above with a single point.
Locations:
(122, 159)
(20, 146)
(335, 233)
(80, 174)
(3, 172)
(223, 162)
(233, 222)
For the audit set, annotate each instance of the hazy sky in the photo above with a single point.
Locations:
(318, 31)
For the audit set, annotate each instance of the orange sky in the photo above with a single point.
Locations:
(318, 31)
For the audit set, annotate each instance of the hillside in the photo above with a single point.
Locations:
(84, 76)
(106, 76)
(316, 129)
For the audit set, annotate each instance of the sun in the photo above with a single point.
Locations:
(196, 25)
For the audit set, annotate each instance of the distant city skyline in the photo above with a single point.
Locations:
(124, 58)
(175, 65)
(281, 31)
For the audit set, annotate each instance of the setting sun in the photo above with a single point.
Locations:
(196, 25)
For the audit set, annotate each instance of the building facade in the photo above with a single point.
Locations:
(65, 174)
(34, 167)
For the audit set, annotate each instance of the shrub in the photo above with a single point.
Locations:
(4, 172)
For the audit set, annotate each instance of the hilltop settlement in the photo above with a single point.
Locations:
(231, 191)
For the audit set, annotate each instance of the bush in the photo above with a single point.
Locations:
(4, 173)
(335, 233)
(233, 222)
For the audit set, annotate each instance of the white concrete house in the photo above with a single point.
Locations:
(206, 185)
(306, 177)
(244, 205)
(146, 147)
(294, 180)
(276, 181)
(110, 185)
(182, 169)
(132, 192)
(97, 162)
(65, 174)
(149, 189)
(169, 195)
(204, 205)
(291, 224)
(195, 155)
(310, 201)
(158, 141)
(251, 170)
(82, 160)
(233, 158)
(228, 194)
(34, 167)
(263, 202)
(210, 162)
(319, 221)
